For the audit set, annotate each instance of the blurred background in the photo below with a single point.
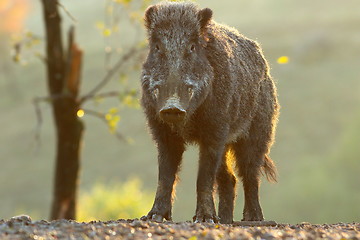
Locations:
(313, 48)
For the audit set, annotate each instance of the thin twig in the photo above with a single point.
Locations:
(107, 94)
(115, 94)
(110, 73)
(97, 114)
(36, 101)
(67, 12)
(41, 57)
(39, 119)
(120, 137)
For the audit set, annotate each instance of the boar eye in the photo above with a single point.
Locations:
(191, 92)
(192, 47)
(156, 92)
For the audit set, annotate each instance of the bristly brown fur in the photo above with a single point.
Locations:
(218, 81)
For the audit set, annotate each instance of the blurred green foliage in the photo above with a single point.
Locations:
(114, 201)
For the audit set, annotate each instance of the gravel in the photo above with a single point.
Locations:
(22, 227)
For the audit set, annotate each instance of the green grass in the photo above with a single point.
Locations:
(315, 149)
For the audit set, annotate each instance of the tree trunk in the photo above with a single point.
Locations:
(69, 137)
(63, 75)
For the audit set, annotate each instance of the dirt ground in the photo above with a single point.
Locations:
(22, 227)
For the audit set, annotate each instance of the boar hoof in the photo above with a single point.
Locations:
(157, 218)
(252, 214)
(207, 219)
(253, 217)
(153, 217)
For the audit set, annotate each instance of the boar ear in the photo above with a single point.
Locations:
(149, 16)
(204, 17)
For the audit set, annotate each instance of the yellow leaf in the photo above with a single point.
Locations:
(116, 118)
(17, 58)
(115, 29)
(123, 78)
(107, 32)
(283, 60)
(112, 124)
(100, 25)
(124, 2)
(110, 10)
(192, 238)
(130, 141)
(112, 121)
(108, 116)
(128, 100)
(113, 110)
(29, 34)
(98, 99)
(135, 16)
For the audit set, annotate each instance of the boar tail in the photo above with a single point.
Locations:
(269, 169)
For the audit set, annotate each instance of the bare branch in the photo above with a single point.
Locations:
(36, 101)
(120, 137)
(97, 114)
(114, 94)
(107, 94)
(131, 53)
(42, 58)
(67, 12)
(39, 119)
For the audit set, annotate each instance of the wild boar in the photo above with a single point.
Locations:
(204, 83)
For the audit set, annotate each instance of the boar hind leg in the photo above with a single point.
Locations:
(210, 158)
(249, 159)
(170, 155)
(252, 158)
(226, 182)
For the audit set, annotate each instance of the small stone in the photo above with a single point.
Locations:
(21, 218)
(294, 227)
(268, 236)
(137, 223)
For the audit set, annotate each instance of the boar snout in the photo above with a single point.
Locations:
(172, 113)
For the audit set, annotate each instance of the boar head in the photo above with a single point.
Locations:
(176, 75)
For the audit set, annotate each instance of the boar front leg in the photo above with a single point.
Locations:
(209, 160)
(170, 149)
(226, 183)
